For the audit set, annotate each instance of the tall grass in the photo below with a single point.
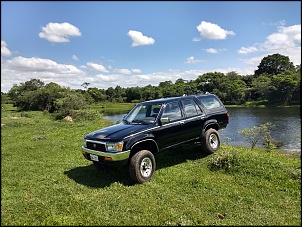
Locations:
(45, 180)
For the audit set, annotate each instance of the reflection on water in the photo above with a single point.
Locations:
(286, 121)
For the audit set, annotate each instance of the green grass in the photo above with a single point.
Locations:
(45, 180)
(110, 107)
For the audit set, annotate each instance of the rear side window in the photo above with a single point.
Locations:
(210, 102)
(190, 107)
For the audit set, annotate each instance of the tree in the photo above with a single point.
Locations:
(274, 64)
(119, 93)
(284, 87)
(258, 133)
(98, 95)
(167, 83)
(134, 93)
(110, 92)
(180, 81)
(85, 85)
(261, 87)
(18, 90)
(69, 103)
(149, 92)
(209, 81)
(33, 84)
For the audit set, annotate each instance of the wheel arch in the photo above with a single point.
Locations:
(210, 124)
(144, 144)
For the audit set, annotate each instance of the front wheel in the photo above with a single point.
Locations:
(142, 166)
(210, 141)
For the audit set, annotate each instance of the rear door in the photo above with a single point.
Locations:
(193, 120)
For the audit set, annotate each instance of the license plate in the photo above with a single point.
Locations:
(94, 157)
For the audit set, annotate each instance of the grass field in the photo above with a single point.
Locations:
(110, 107)
(45, 180)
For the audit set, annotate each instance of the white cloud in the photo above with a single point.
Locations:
(123, 71)
(255, 61)
(196, 39)
(136, 70)
(247, 50)
(139, 39)
(97, 67)
(108, 78)
(59, 32)
(212, 31)
(285, 38)
(286, 41)
(212, 50)
(192, 60)
(4, 50)
(74, 57)
(39, 64)
(19, 70)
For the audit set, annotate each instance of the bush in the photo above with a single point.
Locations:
(224, 160)
(86, 115)
(67, 105)
(259, 133)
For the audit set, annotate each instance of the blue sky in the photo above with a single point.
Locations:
(137, 43)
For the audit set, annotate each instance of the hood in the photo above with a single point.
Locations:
(117, 132)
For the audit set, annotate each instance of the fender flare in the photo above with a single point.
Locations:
(139, 139)
(212, 123)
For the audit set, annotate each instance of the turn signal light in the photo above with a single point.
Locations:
(108, 159)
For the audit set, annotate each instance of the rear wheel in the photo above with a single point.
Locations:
(142, 166)
(210, 141)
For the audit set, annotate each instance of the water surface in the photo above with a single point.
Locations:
(286, 124)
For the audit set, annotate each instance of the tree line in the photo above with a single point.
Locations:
(276, 81)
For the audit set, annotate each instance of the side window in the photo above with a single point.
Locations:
(191, 108)
(210, 102)
(172, 111)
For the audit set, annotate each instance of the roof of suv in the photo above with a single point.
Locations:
(176, 98)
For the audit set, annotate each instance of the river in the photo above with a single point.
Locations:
(286, 123)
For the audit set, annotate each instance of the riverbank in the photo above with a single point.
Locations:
(264, 104)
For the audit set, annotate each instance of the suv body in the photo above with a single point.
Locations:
(153, 126)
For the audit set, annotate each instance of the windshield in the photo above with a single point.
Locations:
(143, 114)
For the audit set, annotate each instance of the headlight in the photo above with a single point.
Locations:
(84, 143)
(114, 146)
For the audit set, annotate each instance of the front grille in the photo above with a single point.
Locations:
(96, 146)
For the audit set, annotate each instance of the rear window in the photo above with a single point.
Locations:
(210, 102)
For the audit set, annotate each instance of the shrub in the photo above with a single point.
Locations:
(224, 160)
(86, 115)
(258, 133)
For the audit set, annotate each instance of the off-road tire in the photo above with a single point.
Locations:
(210, 141)
(142, 166)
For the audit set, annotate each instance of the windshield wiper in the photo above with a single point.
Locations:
(127, 122)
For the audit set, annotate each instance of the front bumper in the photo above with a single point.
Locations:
(107, 157)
